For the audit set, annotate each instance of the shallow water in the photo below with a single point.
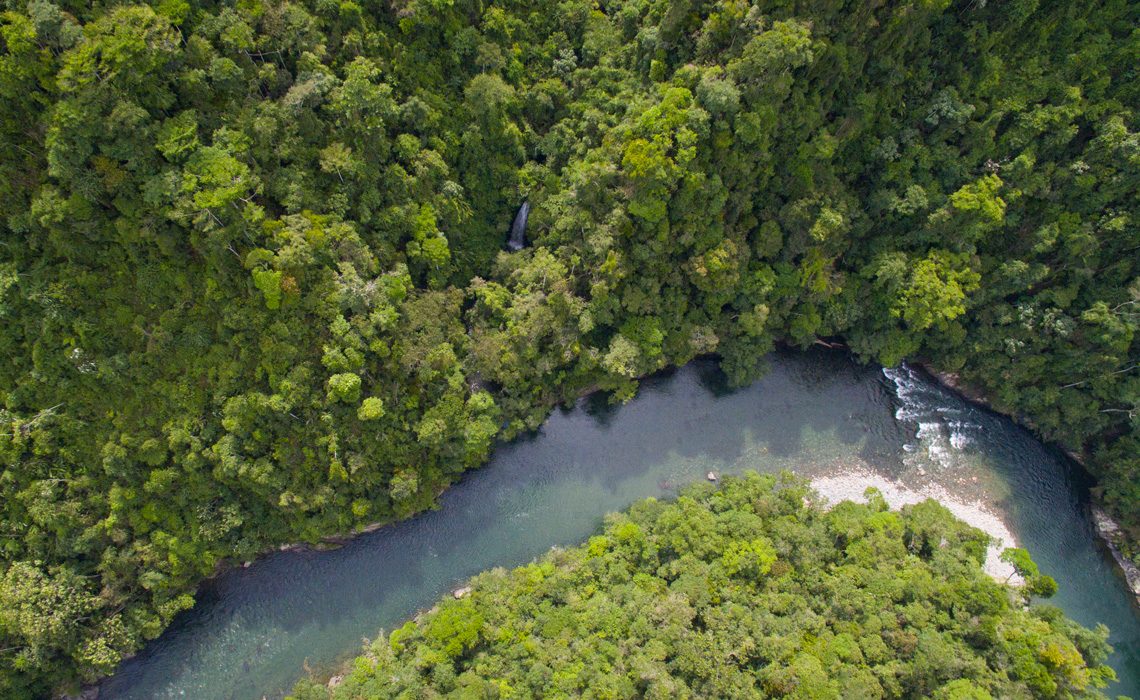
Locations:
(255, 630)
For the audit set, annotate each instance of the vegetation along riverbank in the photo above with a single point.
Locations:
(743, 591)
(1116, 539)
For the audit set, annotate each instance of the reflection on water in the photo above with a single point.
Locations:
(254, 630)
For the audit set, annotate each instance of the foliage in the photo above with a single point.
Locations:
(742, 592)
(251, 278)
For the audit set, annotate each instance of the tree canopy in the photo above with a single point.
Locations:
(253, 289)
(746, 591)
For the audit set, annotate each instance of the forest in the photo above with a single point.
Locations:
(254, 287)
(743, 592)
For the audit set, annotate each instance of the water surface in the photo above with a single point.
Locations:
(254, 631)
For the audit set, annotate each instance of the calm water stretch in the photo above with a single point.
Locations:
(255, 630)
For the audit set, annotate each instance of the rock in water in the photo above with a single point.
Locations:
(518, 229)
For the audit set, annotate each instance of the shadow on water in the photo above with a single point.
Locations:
(598, 406)
(254, 629)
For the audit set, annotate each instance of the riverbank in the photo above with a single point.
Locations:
(1113, 536)
(817, 413)
(852, 485)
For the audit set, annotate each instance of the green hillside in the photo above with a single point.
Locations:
(252, 286)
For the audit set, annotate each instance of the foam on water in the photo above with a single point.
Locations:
(254, 630)
(942, 430)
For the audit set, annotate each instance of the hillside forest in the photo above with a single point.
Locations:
(254, 287)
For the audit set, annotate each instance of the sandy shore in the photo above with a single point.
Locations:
(850, 485)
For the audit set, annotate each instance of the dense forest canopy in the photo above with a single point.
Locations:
(253, 289)
(745, 592)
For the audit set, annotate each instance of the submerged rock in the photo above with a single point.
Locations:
(517, 240)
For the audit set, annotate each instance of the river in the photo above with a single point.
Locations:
(255, 630)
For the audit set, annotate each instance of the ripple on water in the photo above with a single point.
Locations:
(820, 414)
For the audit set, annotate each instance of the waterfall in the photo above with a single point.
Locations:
(518, 229)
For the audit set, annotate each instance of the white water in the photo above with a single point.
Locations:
(847, 427)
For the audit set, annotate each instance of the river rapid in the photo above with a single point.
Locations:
(256, 630)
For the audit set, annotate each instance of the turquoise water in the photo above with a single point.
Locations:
(255, 631)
